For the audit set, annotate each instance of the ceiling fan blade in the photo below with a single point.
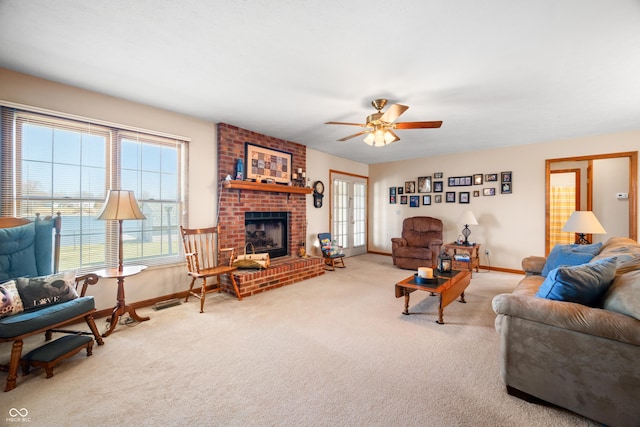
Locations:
(393, 112)
(417, 125)
(343, 123)
(354, 135)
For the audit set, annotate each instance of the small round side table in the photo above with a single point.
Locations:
(121, 306)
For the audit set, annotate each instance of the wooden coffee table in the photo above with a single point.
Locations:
(448, 288)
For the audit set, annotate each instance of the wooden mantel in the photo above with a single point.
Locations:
(273, 188)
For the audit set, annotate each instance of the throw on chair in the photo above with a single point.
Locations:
(331, 252)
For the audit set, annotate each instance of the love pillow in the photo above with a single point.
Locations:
(47, 290)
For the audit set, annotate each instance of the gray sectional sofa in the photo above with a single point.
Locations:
(579, 357)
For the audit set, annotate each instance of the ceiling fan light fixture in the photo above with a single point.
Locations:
(379, 138)
(388, 137)
(379, 126)
(369, 139)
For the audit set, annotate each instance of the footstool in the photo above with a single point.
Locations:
(51, 353)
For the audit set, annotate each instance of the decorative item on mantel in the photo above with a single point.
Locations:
(299, 179)
(239, 170)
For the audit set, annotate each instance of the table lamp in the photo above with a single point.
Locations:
(467, 218)
(120, 205)
(583, 222)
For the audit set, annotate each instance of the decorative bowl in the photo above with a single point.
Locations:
(424, 281)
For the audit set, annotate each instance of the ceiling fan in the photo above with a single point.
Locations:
(379, 126)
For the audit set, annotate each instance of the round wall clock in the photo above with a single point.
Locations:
(318, 190)
(318, 187)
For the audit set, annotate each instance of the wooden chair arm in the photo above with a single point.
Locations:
(86, 279)
(231, 251)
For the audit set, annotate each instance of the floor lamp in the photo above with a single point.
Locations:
(118, 206)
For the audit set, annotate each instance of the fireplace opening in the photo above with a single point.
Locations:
(268, 232)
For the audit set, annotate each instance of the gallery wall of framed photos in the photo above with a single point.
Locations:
(455, 189)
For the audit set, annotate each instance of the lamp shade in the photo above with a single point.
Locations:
(467, 218)
(120, 204)
(583, 222)
(380, 137)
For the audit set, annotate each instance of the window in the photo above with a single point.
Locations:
(56, 164)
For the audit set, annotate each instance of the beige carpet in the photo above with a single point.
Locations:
(331, 351)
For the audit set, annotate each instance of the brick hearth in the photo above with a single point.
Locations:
(234, 204)
(283, 271)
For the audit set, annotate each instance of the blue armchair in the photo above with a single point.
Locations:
(29, 255)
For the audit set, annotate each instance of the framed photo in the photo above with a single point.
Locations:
(424, 184)
(400, 190)
(437, 175)
(505, 177)
(506, 188)
(464, 197)
(414, 201)
(392, 191)
(459, 181)
(476, 193)
(437, 186)
(477, 179)
(392, 200)
(409, 187)
(489, 191)
(426, 200)
(451, 196)
(491, 177)
(438, 198)
(266, 163)
(403, 200)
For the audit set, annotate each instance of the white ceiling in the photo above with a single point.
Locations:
(496, 72)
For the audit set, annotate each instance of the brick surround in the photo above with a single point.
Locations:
(234, 204)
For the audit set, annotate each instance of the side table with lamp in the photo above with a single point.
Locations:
(466, 255)
(118, 206)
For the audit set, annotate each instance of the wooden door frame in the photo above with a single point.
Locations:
(633, 187)
(333, 172)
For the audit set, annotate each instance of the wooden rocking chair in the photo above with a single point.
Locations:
(205, 259)
(331, 254)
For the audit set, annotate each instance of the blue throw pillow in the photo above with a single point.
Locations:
(583, 284)
(570, 255)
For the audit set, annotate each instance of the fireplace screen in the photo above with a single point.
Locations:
(268, 232)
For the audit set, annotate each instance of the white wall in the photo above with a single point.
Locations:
(510, 225)
(610, 176)
(318, 166)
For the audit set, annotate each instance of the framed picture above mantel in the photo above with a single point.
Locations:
(267, 164)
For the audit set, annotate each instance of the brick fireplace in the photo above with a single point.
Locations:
(234, 204)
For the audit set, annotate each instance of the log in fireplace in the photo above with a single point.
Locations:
(268, 232)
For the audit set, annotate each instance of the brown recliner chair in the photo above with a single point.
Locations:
(420, 243)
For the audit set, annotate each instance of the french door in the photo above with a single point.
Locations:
(349, 212)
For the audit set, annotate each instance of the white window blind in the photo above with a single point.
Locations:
(55, 164)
